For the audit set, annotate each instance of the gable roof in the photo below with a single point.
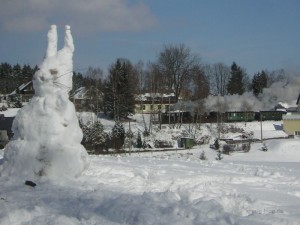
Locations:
(21, 88)
(298, 99)
(80, 93)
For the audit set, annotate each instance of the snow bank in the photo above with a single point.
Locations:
(10, 112)
(278, 151)
(139, 190)
(47, 135)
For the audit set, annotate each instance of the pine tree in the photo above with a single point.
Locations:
(217, 145)
(139, 142)
(118, 136)
(17, 101)
(259, 82)
(109, 99)
(119, 99)
(235, 84)
(86, 131)
(98, 137)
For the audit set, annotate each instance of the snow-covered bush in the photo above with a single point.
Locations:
(203, 155)
(219, 156)
(264, 147)
(139, 142)
(226, 149)
(163, 144)
(98, 137)
(118, 136)
(217, 144)
(246, 147)
(202, 140)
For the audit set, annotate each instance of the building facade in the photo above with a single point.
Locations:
(291, 121)
(154, 103)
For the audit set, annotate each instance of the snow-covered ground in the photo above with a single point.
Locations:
(166, 188)
(173, 187)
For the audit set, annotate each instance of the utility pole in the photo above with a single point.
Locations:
(261, 133)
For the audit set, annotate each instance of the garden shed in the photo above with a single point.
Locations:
(186, 142)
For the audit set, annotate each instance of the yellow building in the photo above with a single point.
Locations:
(154, 103)
(291, 124)
(291, 121)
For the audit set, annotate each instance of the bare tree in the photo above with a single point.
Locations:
(155, 82)
(176, 64)
(94, 88)
(138, 75)
(200, 82)
(219, 75)
(275, 76)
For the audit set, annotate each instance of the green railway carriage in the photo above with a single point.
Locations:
(270, 115)
(236, 116)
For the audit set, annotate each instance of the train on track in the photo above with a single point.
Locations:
(214, 117)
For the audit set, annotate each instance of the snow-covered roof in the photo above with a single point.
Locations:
(287, 105)
(291, 116)
(146, 96)
(298, 100)
(80, 93)
(22, 87)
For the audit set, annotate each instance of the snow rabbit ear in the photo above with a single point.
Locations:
(69, 46)
(52, 42)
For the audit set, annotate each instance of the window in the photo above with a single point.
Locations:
(297, 133)
(159, 107)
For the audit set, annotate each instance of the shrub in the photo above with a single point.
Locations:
(246, 147)
(162, 144)
(264, 147)
(139, 142)
(203, 156)
(227, 149)
(217, 144)
(219, 156)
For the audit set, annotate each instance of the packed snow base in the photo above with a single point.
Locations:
(163, 188)
(47, 135)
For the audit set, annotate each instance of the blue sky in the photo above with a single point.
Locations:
(256, 34)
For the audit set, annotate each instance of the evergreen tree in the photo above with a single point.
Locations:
(86, 131)
(6, 73)
(217, 145)
(11, 77)
(236, 82)
(27, 73)
(119, 99)
(17, 70)
(17, 101)
(82, 127)
(109, 99)
(118, 136)
(259, 82)
(139, 142)
(77, 81)
(98, 137)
